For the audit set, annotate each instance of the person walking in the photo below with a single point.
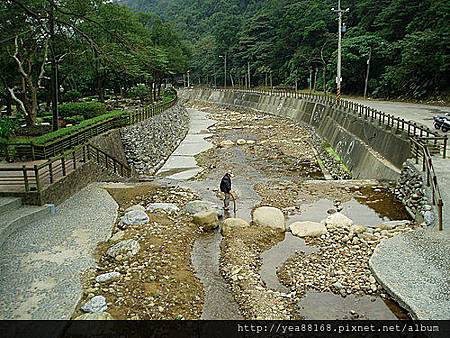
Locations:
(225, 187)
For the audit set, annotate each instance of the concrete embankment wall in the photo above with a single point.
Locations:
(369, 150)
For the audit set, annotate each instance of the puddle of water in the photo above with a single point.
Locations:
(219, 302)
(328, 306)
(277, 255)
(367, 211)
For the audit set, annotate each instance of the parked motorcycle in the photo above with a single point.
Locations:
(442, 122)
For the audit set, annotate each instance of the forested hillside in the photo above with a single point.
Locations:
(294, 40)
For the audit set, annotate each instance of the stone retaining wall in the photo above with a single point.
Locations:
(410, 190)
(148, 144)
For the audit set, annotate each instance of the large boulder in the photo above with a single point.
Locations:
(194, 207)
(95, 304)
(134, 217)
(124, 249)
(232, 223)
(308, 229)
(269, 217)
(206, 219)
(95, 316)
(166, 207)
(338, 220)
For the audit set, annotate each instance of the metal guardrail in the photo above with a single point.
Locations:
(422, 138)
(419, 150)
(31, 152)
(412, 129)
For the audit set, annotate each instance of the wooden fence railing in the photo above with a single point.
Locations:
(31, 152)
(37, 178)
(412, 129)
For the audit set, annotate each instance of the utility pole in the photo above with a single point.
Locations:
(367, 73)
(249, 80)
(54, 68)
(339, 11)
(225, 69)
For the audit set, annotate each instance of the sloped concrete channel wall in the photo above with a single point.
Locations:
(369, 150)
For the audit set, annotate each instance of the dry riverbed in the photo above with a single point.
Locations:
(276, 163)
(159, 281)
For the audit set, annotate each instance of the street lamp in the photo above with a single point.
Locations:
(339, 76)
(225, 68)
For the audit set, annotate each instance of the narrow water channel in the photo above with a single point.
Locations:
(179, 168)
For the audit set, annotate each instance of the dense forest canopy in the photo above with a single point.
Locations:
(53, 49)
(407, 41)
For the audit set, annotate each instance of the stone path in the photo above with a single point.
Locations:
(41, 265)
(181, 165)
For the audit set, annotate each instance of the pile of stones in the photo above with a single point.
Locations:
(410, 191)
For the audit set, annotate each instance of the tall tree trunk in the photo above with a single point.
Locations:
(9, 102)
(100, 88)
(324, 75)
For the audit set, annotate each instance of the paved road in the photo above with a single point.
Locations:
(420, 113)
(41, 264)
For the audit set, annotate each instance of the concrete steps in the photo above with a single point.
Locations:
(14, 215)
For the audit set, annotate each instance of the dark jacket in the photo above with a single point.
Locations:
(225, 184)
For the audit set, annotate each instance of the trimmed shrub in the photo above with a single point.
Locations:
(72, 95)
(63, 132)
(86, 109)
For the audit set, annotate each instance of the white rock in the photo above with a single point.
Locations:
(308, 229)
(167, 207)
(95, 304)
(124, 249)
(135, 217)
(108, 276)
(251, 142)
(241, 142)
(270, 217)
(338, 220)
(226, 143)
(232, 223)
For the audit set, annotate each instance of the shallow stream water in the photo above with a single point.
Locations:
(369, 208)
